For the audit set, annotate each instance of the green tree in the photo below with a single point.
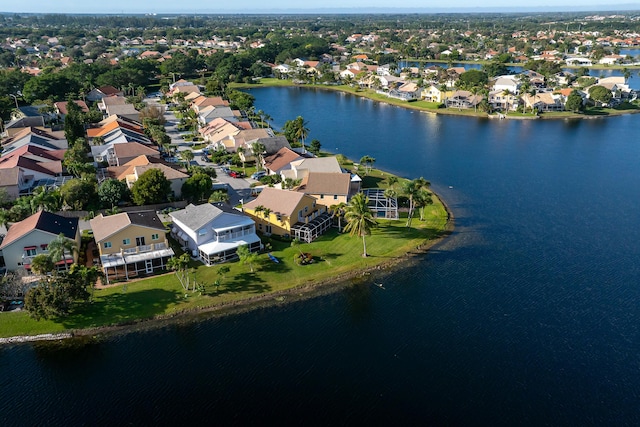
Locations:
(600, 94)
(111, 192)
(73, 122)
(338, 211)
(151, 187)
(42, 264)
(359, 219)
(219, 196)
(412, 189)
(79, 193)
(367, 162)
(187, 155)
(197, 187)
(315, 146)
(574, 102)
(60, 246)
(246, 256)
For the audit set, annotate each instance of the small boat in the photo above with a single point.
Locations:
(379, 285)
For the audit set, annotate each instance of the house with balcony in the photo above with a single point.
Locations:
(288, 214)
(131, 244)
(213, 232)
(31, 237)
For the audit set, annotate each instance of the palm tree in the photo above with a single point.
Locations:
(507, 93)
(241, 152)
(411, 190)
(338, 211)
(59, 247)
(300, 131)
(258, 150)
(266, 213)
(360, 221)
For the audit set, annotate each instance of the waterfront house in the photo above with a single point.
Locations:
(289, 214)
(131, 244)
(31, 237)
(463, 99)
(327, 188)
(280, 161)
(213, 232)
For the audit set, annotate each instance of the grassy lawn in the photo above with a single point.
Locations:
(333, 254)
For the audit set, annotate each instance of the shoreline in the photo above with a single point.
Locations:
(442, 111)
(266, 300)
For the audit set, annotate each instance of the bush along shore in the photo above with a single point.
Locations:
(233, 287)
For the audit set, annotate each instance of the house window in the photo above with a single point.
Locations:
(260, 227)
(279, 217)
(202, 232)
(322, 196)
(126, 241)
(106, 245)
(140, 241)
(154, 237)
(268, 229)
(306, 209)
(31, 251)
(335, 197)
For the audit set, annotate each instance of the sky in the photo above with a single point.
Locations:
(328, 6)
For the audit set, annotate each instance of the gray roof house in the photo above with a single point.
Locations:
(213, 232)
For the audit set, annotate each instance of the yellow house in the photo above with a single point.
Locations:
(288, 213)
(131, 244)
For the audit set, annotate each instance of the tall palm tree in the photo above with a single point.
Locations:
(59, 247)
(507, 93)
(411, 189)
(360, 221)
(241, 151)
(258, 150)
(301, 131)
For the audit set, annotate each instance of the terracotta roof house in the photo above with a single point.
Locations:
(97, 94)
(61, 107)
(131, 244)
(463, 99)
(217, 130)
(31, 236)
(280, 161)
(213, 232)
(289, 213)
(327, 188)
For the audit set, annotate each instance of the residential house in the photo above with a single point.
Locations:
(328, 188)
(301, 168)
(131, 244)
(245, 138)
(31, 237)
(503, 101)
(213, 232)
(543, 101)
(121, 153)
(217, 130)
(174, 176)
(117, 105)
(507, 83)
(280, 161)
(463, 99)
(61, 107)
(433, 94)
(289, 214)
(97, 94)
(407, 91)
(36, 137)
(271, 146)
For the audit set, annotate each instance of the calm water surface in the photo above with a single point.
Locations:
(527, 314)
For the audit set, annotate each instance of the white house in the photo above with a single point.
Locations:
(213, 232)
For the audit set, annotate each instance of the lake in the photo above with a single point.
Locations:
(527, 314)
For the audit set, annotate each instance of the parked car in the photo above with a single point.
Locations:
(226, 170)
(258, 175)
(236, 174)
(206, 158)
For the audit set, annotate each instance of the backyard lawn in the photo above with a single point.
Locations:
(334, 254)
